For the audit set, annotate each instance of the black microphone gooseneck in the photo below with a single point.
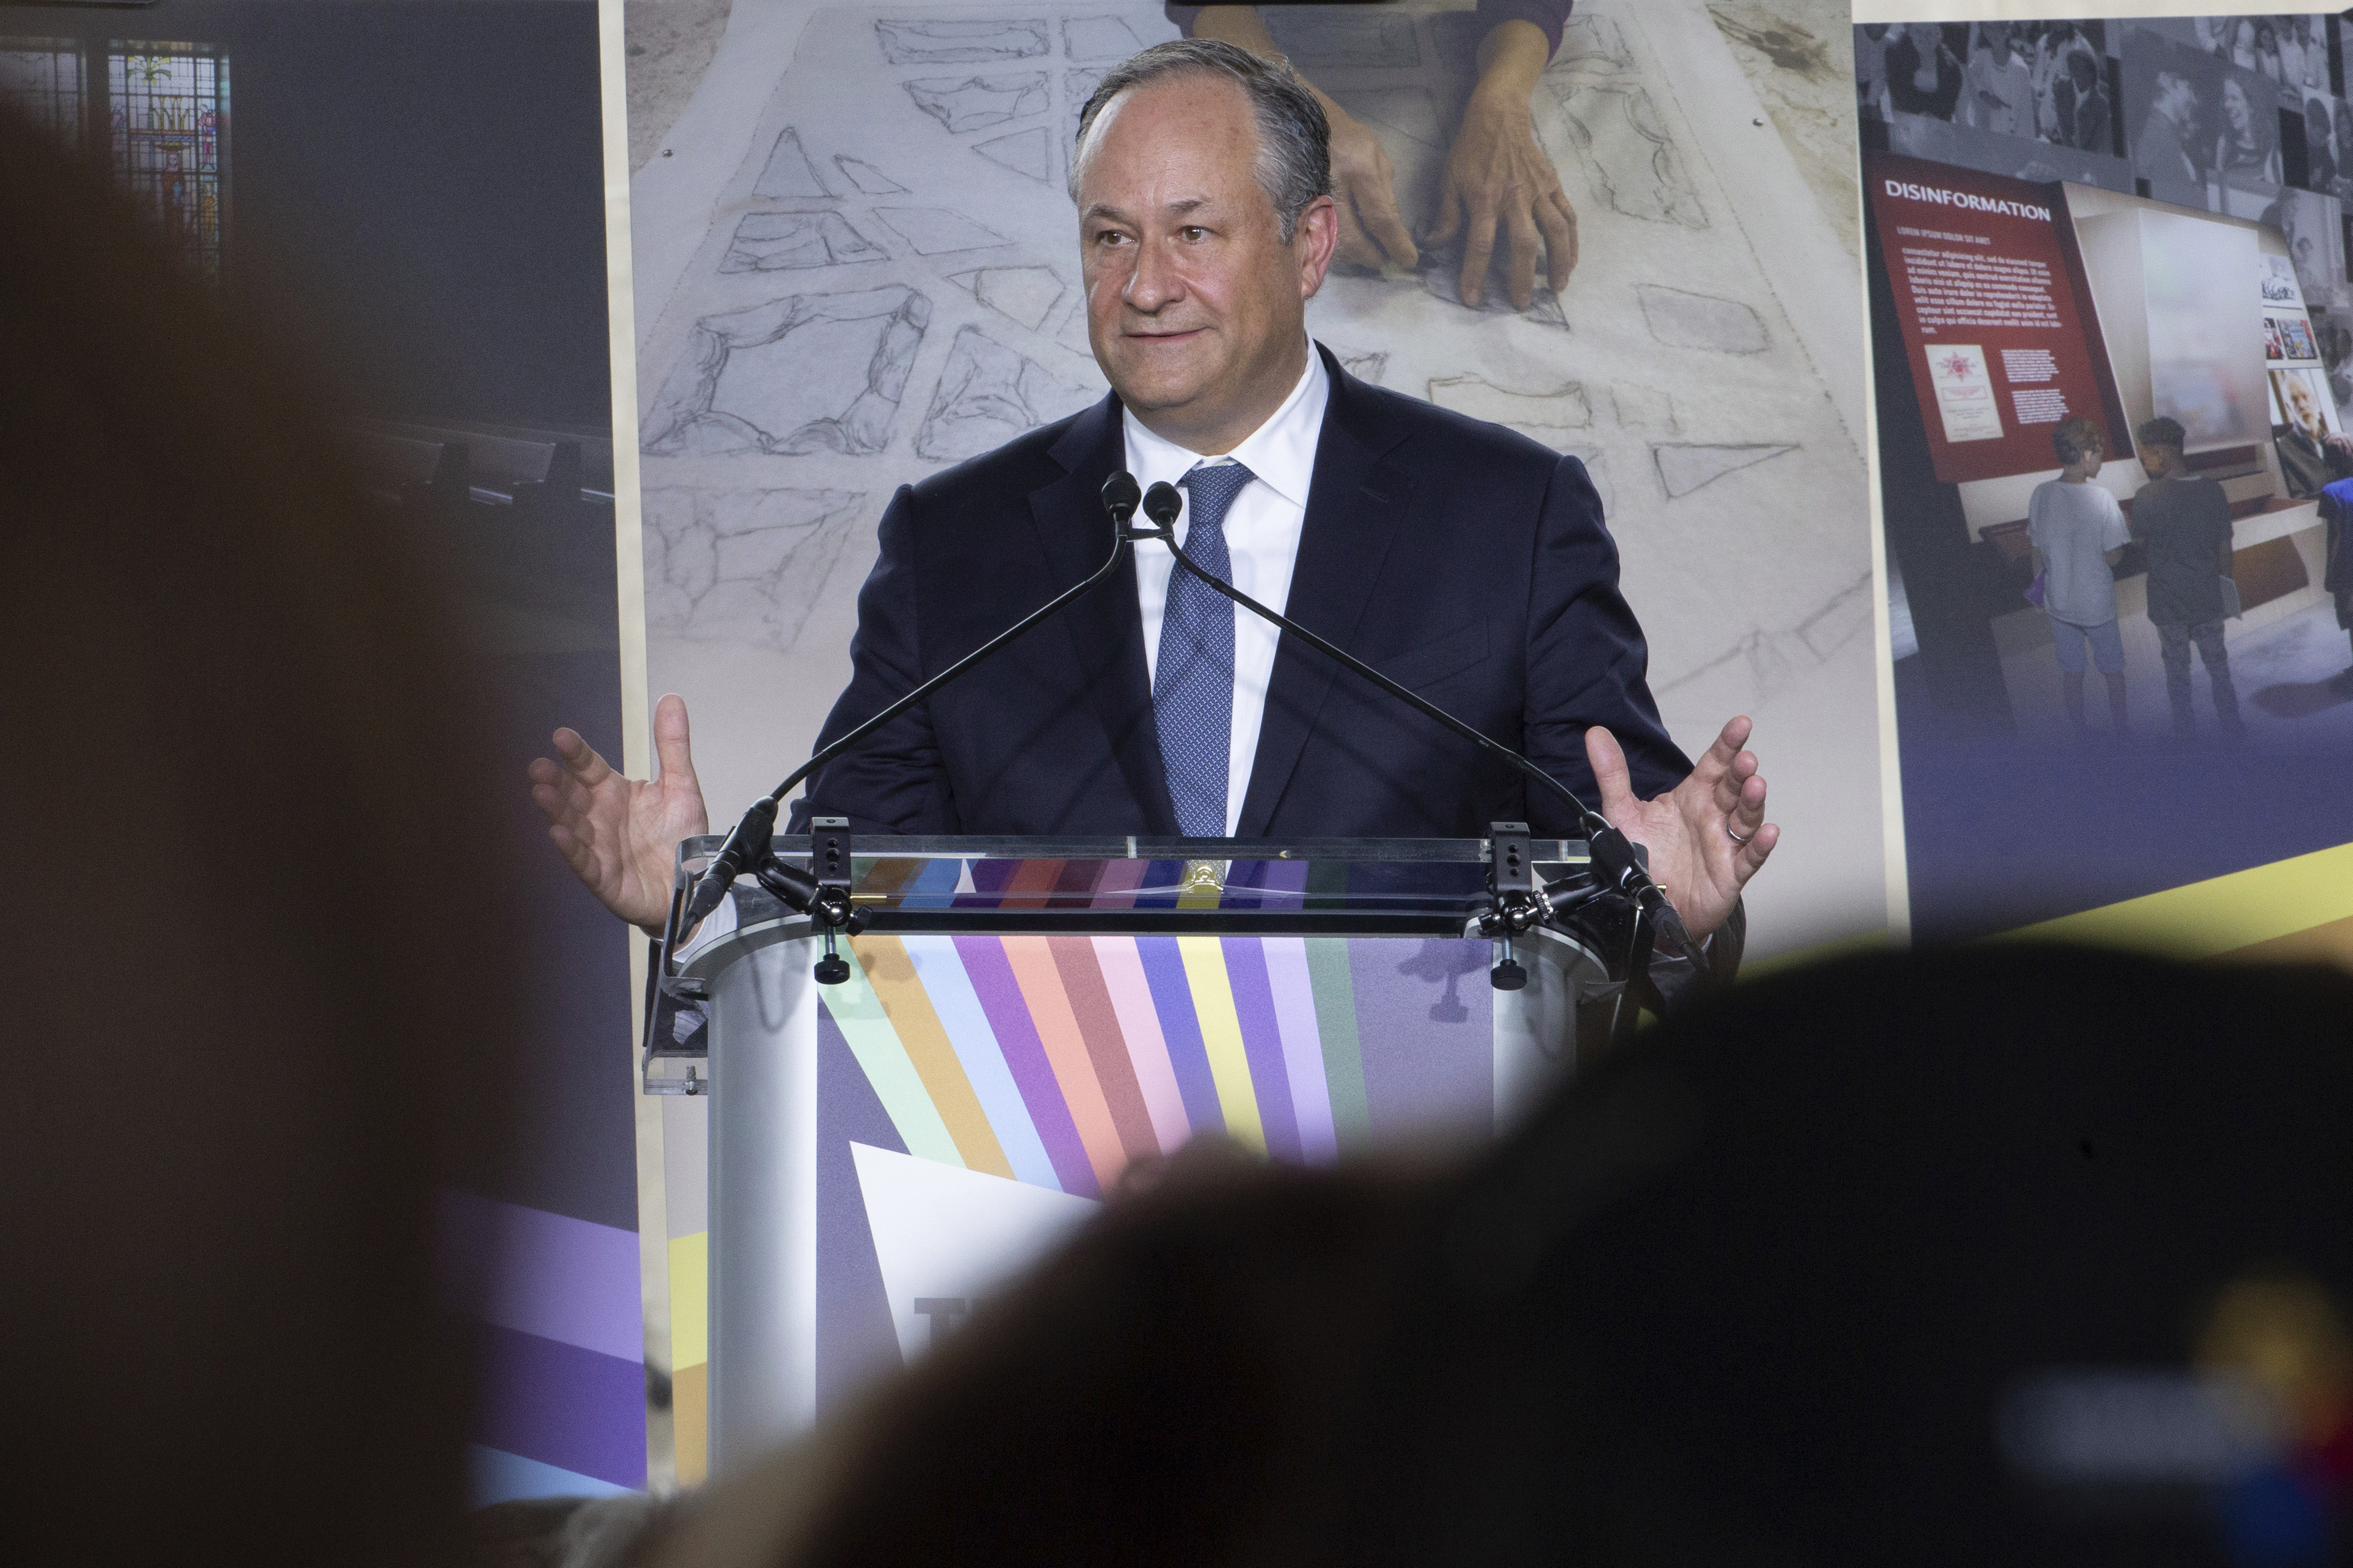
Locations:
(1613, 852)
(747, 847)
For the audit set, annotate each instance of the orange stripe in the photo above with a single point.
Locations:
(2329, 943)
(1082, 981)
(1066, 1048)
(690, 1406)
(893, 975)
(1031, 883)
(886, 877)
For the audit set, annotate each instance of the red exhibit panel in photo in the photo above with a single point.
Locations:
(1997, 321)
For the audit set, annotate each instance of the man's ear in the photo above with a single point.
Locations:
(1312, 243)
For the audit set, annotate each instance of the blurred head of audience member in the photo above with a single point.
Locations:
(253, 943)
(1968, 1258)
(2008, 1256)
(1161, 1393)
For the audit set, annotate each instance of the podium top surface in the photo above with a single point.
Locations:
(1413, 886)
(1404, 852)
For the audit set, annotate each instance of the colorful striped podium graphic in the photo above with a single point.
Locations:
(979, 1095)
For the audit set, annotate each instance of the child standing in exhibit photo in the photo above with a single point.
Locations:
(2337, 512)
(2078, 533)
(2184, 522)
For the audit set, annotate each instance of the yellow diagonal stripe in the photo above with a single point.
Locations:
(1221, 1036)
(2207, 919)
(689, 1300)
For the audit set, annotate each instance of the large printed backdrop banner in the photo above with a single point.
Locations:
(2193, 172)
(860, 266)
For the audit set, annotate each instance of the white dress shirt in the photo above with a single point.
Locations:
(1262, 529)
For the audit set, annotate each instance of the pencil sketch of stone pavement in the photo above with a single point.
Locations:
(889, 284)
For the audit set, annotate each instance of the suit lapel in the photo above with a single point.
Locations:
(1105, 628)
(1355, 506)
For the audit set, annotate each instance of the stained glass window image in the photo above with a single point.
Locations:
(168, 105)
(40, 79)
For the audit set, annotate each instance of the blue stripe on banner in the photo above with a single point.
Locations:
(940, 970)
(933, 887)
(495, 1475)
(561, 1404)
(1180, 1028)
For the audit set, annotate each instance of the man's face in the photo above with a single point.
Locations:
(1196, 307)
(2155, 461)
(2300, 401)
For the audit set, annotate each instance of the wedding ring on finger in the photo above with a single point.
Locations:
(1736, 838)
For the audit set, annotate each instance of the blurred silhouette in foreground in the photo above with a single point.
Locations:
(2003, 1256)
(253, 900)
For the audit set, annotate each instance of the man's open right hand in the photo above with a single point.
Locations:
(620, 835)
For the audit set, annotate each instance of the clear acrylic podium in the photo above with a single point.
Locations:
(1024, 1017)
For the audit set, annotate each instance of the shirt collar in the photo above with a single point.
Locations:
(1280, 453)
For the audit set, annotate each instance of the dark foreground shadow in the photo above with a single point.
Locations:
(2302, 699)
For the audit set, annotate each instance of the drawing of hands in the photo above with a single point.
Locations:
(1498, 178)
(1365, 186)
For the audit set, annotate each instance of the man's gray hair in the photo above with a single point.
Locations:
(1294, 140)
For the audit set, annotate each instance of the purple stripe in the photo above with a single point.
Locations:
(991, 974)
(856, 1344)
(1426, 1035)
(562, 1406)
(1262, 1044)
(1172, 999)
(544, 1274)
(1266, 885)
(1120, 880)
(1166, 876)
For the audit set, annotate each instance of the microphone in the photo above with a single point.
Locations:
(1613, 852)
(1119, 498)
(745, 847)
(748, 845)
(1161, 505)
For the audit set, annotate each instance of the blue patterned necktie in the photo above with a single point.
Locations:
(1193, 682)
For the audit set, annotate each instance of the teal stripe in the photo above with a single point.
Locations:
(1335, 1022)
(868, 1031)
(494, 1476)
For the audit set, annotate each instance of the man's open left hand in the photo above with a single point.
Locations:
(1695, 831)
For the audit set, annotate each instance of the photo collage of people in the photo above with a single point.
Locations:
(2242, 115)
(2157, 564)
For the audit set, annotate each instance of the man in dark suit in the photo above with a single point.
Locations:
(2161, 152)
(1464, 561)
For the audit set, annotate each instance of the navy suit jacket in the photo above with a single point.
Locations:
(1459, 558)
